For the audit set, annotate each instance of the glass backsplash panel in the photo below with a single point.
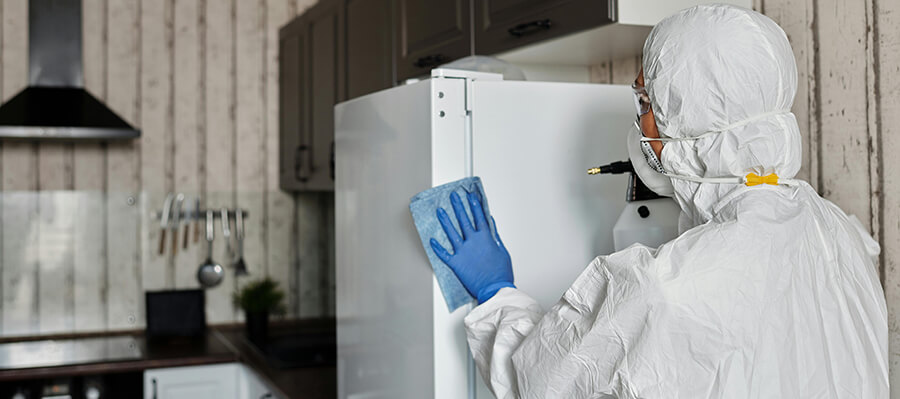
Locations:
(82, 260)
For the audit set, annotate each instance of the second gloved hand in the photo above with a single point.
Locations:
(479, 258)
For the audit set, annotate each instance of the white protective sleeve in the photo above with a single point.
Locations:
(495, 329)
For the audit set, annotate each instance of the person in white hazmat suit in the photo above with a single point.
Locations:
(770, 291)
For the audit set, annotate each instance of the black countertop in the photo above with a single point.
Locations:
(62, 356)
(300, 382)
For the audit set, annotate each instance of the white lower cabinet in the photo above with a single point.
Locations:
(217, 381)
(252, 386)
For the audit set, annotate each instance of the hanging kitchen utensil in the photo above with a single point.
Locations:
(164, 221)
(176, 221)
(240, 267)
(226, 234)
(210, 274)
(196, 220)
(188, 215)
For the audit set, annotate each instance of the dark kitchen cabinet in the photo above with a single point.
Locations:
(336, 50)
(292, 132)
(430, 33)
(342, 49)
(502, 25)
(370, 57)
(312, 82)
(326, 83)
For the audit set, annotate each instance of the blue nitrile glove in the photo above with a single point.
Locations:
(479, 259)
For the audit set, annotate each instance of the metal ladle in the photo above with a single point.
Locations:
(210, 273)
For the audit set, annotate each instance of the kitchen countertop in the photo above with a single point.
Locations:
(58, 356)
(302, 382)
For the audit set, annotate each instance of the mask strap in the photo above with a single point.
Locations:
(714, 180)
(717, 131)
(751, 179)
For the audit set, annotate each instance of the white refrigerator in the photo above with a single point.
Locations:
(531, 143)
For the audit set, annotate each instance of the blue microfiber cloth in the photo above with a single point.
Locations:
(424, 206)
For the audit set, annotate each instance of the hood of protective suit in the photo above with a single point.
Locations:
(719, 68)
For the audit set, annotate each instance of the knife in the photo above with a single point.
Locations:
(176, 221)
(226, 234)
(164, 222)
(196, 220)
(188, 214)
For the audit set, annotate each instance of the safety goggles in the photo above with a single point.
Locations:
(641, 99)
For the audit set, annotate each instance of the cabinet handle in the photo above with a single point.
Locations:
(154, 387)
(530, 27)
(331, 162)
(311, 158)
(267, 395)
(299, 154)
(428, 61)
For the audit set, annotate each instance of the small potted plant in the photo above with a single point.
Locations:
(258, 299)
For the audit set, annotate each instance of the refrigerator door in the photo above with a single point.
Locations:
(384, 309)
(396, 338)
(532, 145)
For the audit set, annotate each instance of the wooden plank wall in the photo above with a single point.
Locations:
(19, 178)
(886, 33)
(200, 78)
(622, 71)
(848, 108)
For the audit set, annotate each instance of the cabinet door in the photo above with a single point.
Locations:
(197, 382)
(370, 62)
(430, 33)
(293, 148)
(502, 25)
(326, 88)
(253, 387)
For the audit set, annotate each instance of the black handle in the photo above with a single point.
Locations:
(154, 387)
(331, 162)
(530, 27)
(266, 395)
(298, 163)
(311, 148)
(430, 61)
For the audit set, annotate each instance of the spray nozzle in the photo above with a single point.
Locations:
(615, 168)
(637, 191)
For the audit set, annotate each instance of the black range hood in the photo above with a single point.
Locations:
(55, 104)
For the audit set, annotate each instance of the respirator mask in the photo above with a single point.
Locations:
(648, 165)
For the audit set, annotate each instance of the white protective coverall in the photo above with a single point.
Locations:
(769, 292)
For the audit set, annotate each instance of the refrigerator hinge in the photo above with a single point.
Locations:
(468, 130)
(469, 90)
(467, 104)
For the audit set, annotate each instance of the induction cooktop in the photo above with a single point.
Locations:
(300, 350)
